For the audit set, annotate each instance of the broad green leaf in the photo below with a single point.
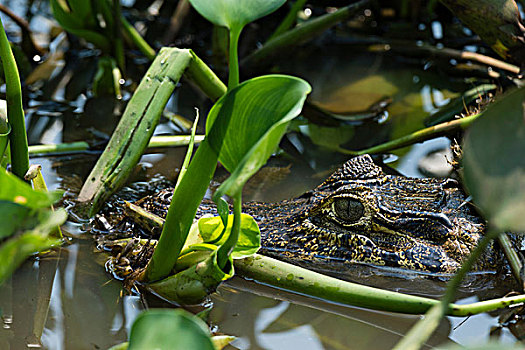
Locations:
(249, 239)
(235, 14)
(169, 329)
(15, 190)
(260, 110)
(194, 284)
(494, 165)
(17, 249)
(14, 215)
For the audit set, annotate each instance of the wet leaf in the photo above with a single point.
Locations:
(260, 111)
(17, 249)
(15, 190)
(192, 285)
(169, 329)
(249, 239)
(235, 14)
(494, 165)
(15, 214)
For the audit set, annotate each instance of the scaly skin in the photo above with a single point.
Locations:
(361, 214)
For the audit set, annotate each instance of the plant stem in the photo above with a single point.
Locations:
(289, 20)
(513, 258)
(304, 32)
(119, 46)
(417, 136)
(226, 249)
(294, 278)
(155, 141)
(137, 39)
(189, 152)
(424, 328)
(15, 110)
(181, 213)
(233, 59)
(205, 78)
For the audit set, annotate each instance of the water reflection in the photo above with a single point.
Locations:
(265, 318)
(68, 298)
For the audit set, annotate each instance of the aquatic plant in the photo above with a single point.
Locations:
(15, 111)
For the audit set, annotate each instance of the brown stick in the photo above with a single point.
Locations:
(24, 26)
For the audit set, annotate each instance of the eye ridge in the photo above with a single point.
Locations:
(348, 209)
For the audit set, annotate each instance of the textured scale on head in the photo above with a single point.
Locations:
(357, 168)
(361, 214)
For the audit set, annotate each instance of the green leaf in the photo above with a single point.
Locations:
(14, 215)
(169, 329)
(15, 190)
(260, 111)
(80, 22)
(193, 285)
(17, 249)
(494, 165)
(235, 14)
(249, 240)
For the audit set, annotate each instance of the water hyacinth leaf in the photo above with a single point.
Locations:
(249, 240)
(235, 14)
(260, 110)
(193, 285)
(15, 214)
(494, 166)
(169, 329)
(15, 250)
(15, 190)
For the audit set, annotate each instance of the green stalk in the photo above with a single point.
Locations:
(189, 152)
(226, 249)
(417, 136)
(137, 39)
(205, 78)
(233, 59)
(289, 20)
(512, 257)
(15, 110)
(181, 213)
(424, 328)
(34, 174)
(119, 45)
(294, 278)
(304, 32)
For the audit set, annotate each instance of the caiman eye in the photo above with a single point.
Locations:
(348, 209)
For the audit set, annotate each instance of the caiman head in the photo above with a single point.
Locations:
(361, 214)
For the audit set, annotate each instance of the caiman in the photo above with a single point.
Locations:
(361, 214)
